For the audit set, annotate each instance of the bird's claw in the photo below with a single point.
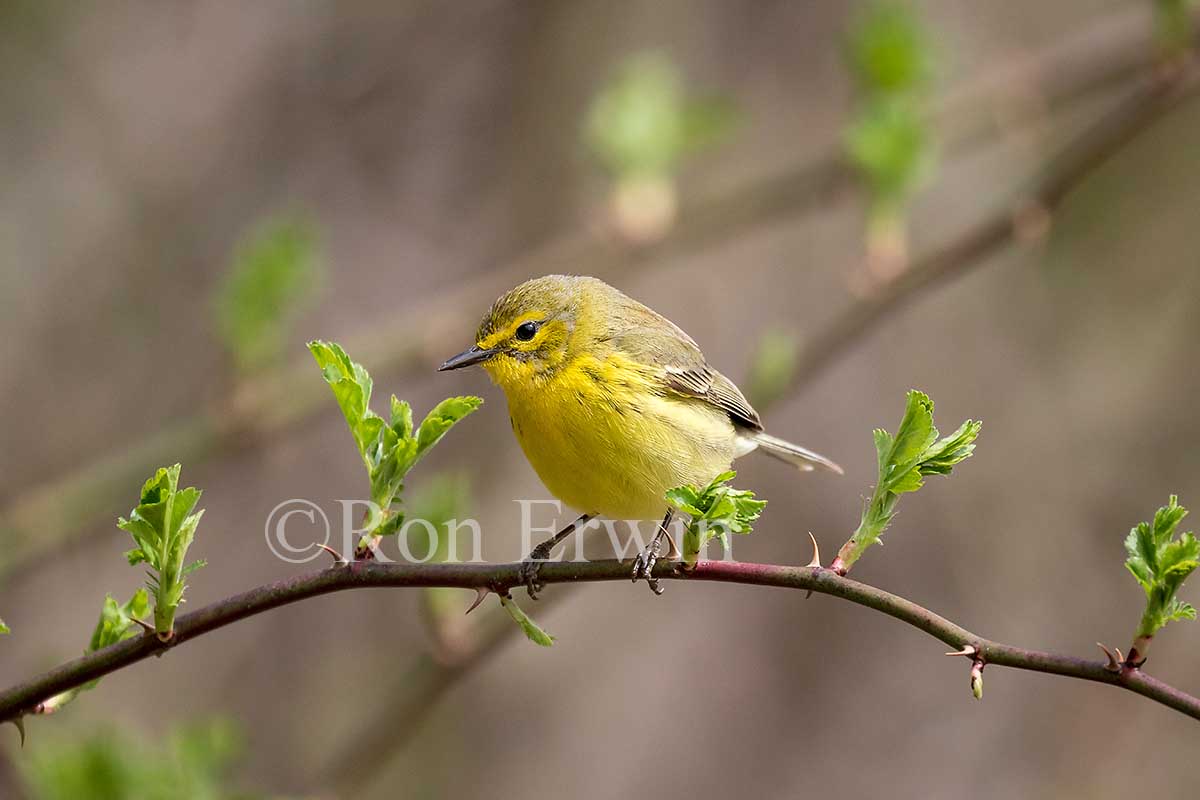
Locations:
(643, 567)
(530, 567)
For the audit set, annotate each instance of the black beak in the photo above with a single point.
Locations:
(469, 357)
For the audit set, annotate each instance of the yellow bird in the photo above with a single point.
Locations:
(613, 404)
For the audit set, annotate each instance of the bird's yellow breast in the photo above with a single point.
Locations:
(604, 439)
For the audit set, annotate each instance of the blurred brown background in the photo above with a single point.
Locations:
(432, 144)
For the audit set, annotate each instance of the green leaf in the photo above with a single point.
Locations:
(272, 279)
(715, 510)
(532, 631)
(4, 629)
(904, 460)
(351, 387)
(163, 526)
(402, 418)
(116, 623)
(916, 431)
(1160, 560)
(941, 457)
(443, 417)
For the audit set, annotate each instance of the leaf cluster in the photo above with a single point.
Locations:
(117, 622)
(389, 448)
(715, 510)
(904, 460)
(1160, 561)
(163, 526)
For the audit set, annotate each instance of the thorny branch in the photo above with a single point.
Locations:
(26, 697)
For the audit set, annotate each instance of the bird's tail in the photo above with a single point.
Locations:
(793, 454)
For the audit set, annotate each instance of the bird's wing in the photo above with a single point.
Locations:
(714, 388)
(680, 365)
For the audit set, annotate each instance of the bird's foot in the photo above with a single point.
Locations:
(530, 568)
(643, 564)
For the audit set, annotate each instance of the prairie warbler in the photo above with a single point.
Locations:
(613, 404)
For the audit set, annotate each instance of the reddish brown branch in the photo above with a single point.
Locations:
(25, 697)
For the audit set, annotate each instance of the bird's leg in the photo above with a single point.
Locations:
(643, 565)
(532, 563)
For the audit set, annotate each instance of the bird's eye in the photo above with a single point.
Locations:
(526, 331)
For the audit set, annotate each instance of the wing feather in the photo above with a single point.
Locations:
(714, 388)
(656, 342)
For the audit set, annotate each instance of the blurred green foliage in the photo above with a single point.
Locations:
(890, 145)
(772, 367)
(1174, 25)
(273, 277)
(717, 510)
(444, 497)
(193, 763)
(163, 527)
(1161, 561)
(904, 461)
(644, 122)
(4, 628)
(889, 51)
(890, 57)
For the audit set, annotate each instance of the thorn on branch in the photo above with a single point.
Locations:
(19, 724)
(480, 593)
(816, 559)
(146, 626)
(338, 559)
(967, 650)
(1114, 661)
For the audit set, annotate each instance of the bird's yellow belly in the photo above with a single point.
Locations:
(599, 453)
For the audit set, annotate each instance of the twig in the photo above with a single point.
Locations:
(24, 698)
(41, 518)
(1030, 207)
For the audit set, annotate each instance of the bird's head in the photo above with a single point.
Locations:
(528, 333)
